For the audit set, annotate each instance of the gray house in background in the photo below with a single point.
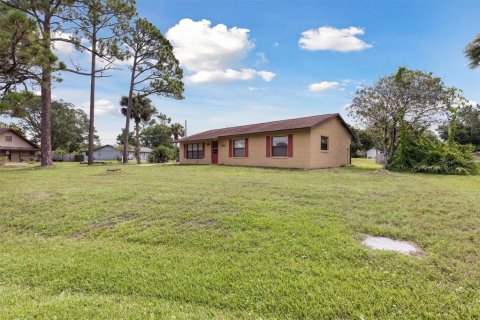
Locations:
(144, 154)
(107, 152)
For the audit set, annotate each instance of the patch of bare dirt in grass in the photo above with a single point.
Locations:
(104, 225)
(199, 223)
(382, 172)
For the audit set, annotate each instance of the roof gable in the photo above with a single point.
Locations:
(280, 125)
(3, 130)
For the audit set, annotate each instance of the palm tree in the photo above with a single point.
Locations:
(472, 52)
(142, 111)
(177, 131)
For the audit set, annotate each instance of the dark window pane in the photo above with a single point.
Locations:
(323, 143)
(279, 151)
(280, 146)
(239, 152)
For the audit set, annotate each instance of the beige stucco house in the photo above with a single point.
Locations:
(321, 141)
(15, 147)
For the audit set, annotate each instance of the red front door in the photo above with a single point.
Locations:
(214, 152)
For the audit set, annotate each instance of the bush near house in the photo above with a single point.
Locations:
(418, 153)
(161, 154)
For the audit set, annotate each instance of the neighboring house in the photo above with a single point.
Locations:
(106, 152)
(144, 153)
(17, 148)
(372, 153)
(321, 141)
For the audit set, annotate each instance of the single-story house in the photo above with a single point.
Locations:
(106, 152)
(16, 148)
(144, 153)
(321, 141)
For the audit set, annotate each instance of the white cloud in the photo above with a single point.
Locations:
(323, 86)
(102, 107)
(266, 75)
(213, 53)
(61, 46)
(328, 38)
(228, 75)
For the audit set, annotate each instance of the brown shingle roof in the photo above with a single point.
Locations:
(281, 125)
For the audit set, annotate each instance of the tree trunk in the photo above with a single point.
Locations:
(137, 138)
(129, 111)
(385, 151)
(393, 142)
(46, 92)
(91, 128)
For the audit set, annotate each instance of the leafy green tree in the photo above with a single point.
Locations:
(142, 112)
(466, 121)
(49, 16)
(12, 126)
(69, 124)
(472, 52)
(19, 48)
(121, 138)
(154, 68)
(98, 31)
(156, 135)
(163, 119)
(177, 130)
(411, 98)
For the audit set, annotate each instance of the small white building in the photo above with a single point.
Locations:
(372, 153)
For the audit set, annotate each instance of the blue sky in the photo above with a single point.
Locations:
(234, 76)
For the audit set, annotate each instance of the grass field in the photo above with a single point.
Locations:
(203, 242)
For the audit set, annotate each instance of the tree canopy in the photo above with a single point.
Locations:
(467, 126)
(472, 52)
(412, 98)
(69, 124)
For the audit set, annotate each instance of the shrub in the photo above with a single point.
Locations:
(161, 154)
(420, 154)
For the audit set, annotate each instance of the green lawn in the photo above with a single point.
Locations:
(202, 242)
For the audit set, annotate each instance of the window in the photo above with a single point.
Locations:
(8, 138)
(194, 151)
(324, 143)
(239, 148)
(280, 146)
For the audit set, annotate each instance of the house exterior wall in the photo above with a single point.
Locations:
(143, 155)
(18, 149)
(257, 151)
(107, 153)
(16, 142)
(339, 140)
(208, 153)
(306, 149)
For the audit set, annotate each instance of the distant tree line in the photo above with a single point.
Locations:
(109, 30)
